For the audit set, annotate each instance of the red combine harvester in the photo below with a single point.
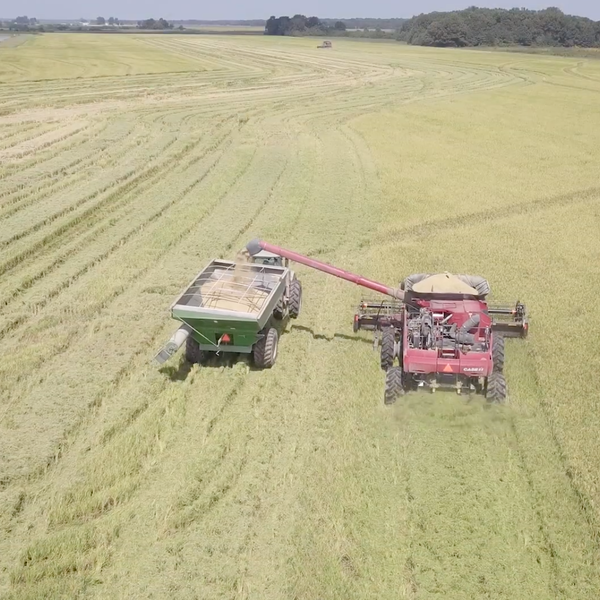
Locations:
(437, 332)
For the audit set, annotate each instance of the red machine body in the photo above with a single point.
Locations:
(467, 360)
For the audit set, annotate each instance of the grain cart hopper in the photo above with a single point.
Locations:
(437, 331)
(232, 308)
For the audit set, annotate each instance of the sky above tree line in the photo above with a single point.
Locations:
(262, 9)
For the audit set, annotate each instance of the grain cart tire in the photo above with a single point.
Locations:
(388, 342)
(193, 354)
(295, 301)
(496, 392)
(498, 353)
(279, 311)
(393, 385)
(264, 352)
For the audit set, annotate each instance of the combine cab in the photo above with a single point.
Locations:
(326, 45)
(437, 331)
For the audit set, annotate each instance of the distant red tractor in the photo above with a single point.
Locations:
(437, 332)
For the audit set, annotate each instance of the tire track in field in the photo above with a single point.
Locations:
(117, 194)
(117, 245)
(73, 335)
(26, 284)
(152, 341)
(12, 171)
(43, 181)
(177, 239)
(584, 503)
(486, 216)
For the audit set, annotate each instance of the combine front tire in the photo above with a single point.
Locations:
(393, 385)
(388, 343)
(498, 353)
(193, 354)
(295, 301)
(264, 352)
(496, 392)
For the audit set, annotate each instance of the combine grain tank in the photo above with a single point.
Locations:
(233, 308)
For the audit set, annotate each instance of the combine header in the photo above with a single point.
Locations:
(437, 331)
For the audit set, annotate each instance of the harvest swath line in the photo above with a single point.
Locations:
(26, 284)
(293, 483)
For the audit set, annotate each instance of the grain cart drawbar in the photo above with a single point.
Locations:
(438, 331)
(234, 308)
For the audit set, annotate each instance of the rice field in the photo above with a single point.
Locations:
(128, 162)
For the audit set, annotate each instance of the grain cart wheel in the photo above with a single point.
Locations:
(193, 354)
(295, 301)
(388, 342)
(498, 353)
(279, 312)
(393, 385)
(264, 352)
(496, 388)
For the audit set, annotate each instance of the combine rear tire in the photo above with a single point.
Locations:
(193, 354)
(264, 352)
(388, 342)
(496, 389)
(393, 385)
(498, 353)
(295, 301)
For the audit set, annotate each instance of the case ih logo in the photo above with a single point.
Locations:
(473, 369)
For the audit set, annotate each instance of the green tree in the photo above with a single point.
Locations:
(484, 26)
(100, 21)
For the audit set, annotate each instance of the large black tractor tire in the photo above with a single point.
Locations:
(279, 312)
(295, 300)
(394, 387)
(388, 343)
(498, 353)
(193, 354)
(497, 391)
(264, 352)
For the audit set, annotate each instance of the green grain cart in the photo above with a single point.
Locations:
(234, 308)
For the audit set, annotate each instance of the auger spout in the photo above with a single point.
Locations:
(256, 246)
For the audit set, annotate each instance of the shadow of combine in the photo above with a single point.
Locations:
(335, 336)
(181, 370)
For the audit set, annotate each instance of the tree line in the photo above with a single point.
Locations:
(155, 24)
(369, 24)
(300, 25)
(110, 21)
(495, 27)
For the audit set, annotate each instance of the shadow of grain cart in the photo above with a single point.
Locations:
(234, 308)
